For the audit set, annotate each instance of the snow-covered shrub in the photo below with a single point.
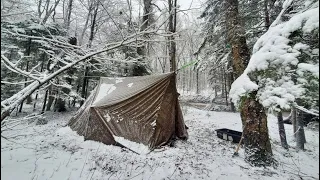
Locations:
(284, 67)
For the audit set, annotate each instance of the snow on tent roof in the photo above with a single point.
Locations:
(113, 90)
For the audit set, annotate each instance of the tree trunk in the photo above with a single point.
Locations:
(45, 101)
(215, 88)
(266, 14)
(84, 83)
(300, 136)
(197, 79)
(236, 38)
(256, 137)
(41, 69)
(50, 99)
(29, 99)
(233, 109)
(86, 72)
(172, 29)
(225, 86)
(294, 121)
(139, 68)
(257, 144)
(282, 132)
(28, 52)
(69, 13)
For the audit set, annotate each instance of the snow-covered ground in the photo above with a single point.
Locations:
(52, 151)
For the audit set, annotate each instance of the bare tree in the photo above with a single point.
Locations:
(46, 8)
(39, 79)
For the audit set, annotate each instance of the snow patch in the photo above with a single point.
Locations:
(107, 117)
(137, 147)
(104, 90)
(153, 124)
(129, 85)
(119, 80)
(240, 87)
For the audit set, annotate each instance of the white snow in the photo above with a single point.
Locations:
(107, 117)
(119, 80)
(51, 151)
(304, 67)
(241, 86)
(153, 124)
(136, 147)
(129, 85)
(272, 53)
(104, 90)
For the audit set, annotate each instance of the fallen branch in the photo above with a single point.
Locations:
(10, 104)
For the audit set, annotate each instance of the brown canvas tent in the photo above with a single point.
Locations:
(143, 109)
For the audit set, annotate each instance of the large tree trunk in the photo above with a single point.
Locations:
(256, 137)
(282, 132)
(236, 38)
(257, 144)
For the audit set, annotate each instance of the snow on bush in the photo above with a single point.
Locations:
(276, 69)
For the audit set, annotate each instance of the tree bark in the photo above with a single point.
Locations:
(41, 69)
(294, 121)
(197, 79)
(300, 136)
(225, 86)
(282, 132)
(44, 102)
(50, 99)
(256, 137)
(172, 29)
(84, 83)
(236, 38)
(69, 13)
(266, 14)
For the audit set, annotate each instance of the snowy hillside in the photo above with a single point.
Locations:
(52, 151)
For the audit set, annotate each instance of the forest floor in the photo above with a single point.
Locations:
(51, 151)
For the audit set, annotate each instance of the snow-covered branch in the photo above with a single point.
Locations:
(276, 67)
(12, 102)
(14, 68)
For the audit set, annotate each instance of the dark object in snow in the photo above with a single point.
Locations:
(306, 118)
(288, 121)
(229, 135)
(41, 121)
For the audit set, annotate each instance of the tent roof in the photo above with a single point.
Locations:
(113, 90)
